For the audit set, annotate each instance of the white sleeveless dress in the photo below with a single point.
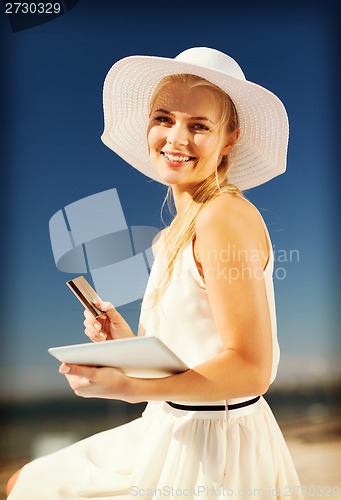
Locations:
(172, 453)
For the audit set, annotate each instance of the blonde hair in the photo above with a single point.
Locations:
(182, 229)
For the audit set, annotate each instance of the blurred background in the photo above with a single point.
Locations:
(53, 68)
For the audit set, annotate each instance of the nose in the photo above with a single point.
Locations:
(178, 135)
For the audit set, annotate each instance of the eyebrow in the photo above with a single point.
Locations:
(202, 118)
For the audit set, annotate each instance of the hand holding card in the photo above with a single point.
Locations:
(104, 323)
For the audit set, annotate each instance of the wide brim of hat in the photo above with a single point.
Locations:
(129, 86)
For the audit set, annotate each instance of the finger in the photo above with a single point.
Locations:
(104, 306)
(94, 327)
(64, 369)
(88, 314)
(110, 311)
(87, 372)
(96, 322)
(95, 335)
(91, 319)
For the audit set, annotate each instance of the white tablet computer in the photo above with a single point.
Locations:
(136, 356)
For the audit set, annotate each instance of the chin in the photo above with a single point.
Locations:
(171, 177)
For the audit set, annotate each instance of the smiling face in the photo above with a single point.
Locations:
(186, 143)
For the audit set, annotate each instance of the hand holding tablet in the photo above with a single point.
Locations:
(136, 356)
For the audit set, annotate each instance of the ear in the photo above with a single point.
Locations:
(226, 149)
(230, 142)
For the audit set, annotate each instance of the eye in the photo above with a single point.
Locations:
(163, 119)
(200, 127)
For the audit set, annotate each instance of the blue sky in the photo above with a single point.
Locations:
(52, 153)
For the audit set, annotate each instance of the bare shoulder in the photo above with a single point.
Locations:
(230, 212)
(231, 219)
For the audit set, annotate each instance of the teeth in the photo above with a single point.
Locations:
(176, 157)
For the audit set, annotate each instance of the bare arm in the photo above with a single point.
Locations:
(237, 295)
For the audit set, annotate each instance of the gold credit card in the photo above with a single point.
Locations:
(85, 294)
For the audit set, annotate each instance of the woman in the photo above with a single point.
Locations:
(197, 125)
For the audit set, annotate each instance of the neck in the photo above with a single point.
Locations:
(181, 199)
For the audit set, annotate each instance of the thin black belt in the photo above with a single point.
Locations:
(214, 407)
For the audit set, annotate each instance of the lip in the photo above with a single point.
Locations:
(172, 158)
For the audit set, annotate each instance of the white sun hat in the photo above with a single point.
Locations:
(129, 86)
